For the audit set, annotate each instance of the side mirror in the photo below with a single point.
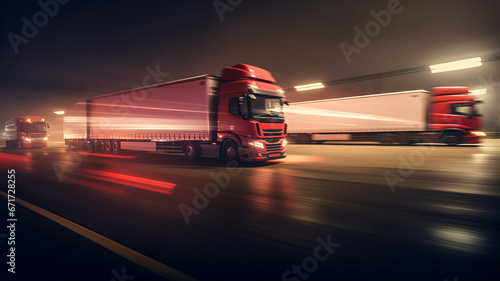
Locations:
(48, 126)
(284, 101)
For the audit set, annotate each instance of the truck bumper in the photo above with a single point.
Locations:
(252, 155)
(33, 143)
(250, 152)
(473, 137)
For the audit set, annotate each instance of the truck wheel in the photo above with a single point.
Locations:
(451, 138)
(115, 147)
(79, 145)
(291, 139)
(230, 151)
(191, 151)
(405, 139)
(89, 147)
(386, 139)
(107, 147)
(303, 138)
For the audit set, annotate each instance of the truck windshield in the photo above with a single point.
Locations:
(36, 127)
(267, 107)
(467, 109)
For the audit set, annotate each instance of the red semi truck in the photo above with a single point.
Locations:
(238, 116)
(26, 132)
(447, 115)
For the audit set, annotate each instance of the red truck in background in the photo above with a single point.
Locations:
(238, 116)
(445, 115)
(26, 132)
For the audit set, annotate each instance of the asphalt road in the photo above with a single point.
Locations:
(326, 212)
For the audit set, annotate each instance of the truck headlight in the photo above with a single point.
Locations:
(45, 138)
(478, 133)
(258, 144)
(284, 142)
(27, 139)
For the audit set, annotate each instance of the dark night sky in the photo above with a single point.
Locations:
(95, 47)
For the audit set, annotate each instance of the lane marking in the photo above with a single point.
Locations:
(152, 265)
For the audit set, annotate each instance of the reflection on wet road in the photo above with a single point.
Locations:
(394, 213)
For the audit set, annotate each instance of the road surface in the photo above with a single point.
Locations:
(326, 212)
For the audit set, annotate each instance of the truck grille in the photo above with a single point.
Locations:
(273, 147)
(34, 135)
(272, 132)
(272, 140)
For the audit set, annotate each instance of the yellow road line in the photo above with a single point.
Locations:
(154, 266)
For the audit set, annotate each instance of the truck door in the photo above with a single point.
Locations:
(467, 115)
(238, 116)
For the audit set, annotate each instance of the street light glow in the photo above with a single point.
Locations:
(309, 87)
(61, 112)
(456, 65)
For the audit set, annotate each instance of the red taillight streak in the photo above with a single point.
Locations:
(138, 182)
(97, 186)
(13, 157)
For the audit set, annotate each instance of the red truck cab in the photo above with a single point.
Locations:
(26, 132)
(251, 123)
(454, 116)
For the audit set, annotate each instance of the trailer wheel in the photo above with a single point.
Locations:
(303, 138)
(191, 150)
(107, 147)
(405, 139)
(89, 147)
(115, 147)
(387, 139)
(451, 138)
(291, 139)
(99, 146)
(79, 145)
(230, 151)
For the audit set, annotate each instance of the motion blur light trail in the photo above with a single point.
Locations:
(10, 160)
(133, 181)
(96, 186)
(299, 159)
(12, 157)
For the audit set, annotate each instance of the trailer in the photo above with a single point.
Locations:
(445, 115)
(202, 116)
